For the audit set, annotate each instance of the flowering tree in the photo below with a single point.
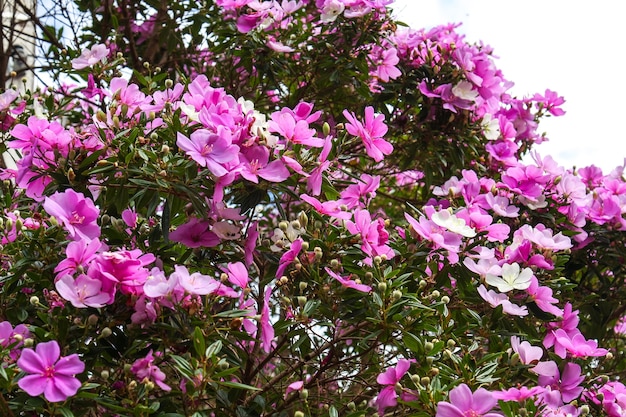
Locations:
(298, 208)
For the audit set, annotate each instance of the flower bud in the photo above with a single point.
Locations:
(304, 394)
(169, 83)
(28, 342)
(422, 284)
(301, 301)
(283, 225)
(334, 263)
(382, 286)
(302, 285)
(305, 246)
(296, 224)
(396, 295)
(303, 219)
(425, 380)
(445, 299)
(584, 410)
(104, 374)
(435, 294)
(428, 346)
(34, 300)
(92, 320)
(132, 385)
(298, 414)
(450, 343)
(106, 332)
(378, 260)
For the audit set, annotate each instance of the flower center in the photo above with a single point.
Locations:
(75, 218)
(49, 372)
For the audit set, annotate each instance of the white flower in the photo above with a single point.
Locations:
(465, 91)
(491, 127)
(331, 10)
(511, 278)
(454, 224)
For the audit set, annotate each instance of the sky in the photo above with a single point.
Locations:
(572, 47)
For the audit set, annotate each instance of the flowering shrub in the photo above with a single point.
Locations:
(305, 210)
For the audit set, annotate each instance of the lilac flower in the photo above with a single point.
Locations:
(50, 374)
(568, 382)
(527, 352)
(195, 233)
(464, 403)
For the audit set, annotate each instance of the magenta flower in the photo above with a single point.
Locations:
(195, 233)
(145, 370)
(13, 337)
(387, 396)
(267, 330)
(371, 133)
(567, 383)
(77, 213)
(464, 403)
(349, 283)
(50, 374)
(288, 257)
(211, 150)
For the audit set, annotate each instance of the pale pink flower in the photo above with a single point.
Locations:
(496, 299)
(83, 291)
(209, 149)
(90, 57)
(464, 403)
(527, 352)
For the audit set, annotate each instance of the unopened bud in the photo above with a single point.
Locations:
(422, 284)
(305, 246)
(28, 342)
(283, 225)
(34, 300)
(104, 374)
(435, 294)
(445, 299)
(303, 219)
(382, 286)
(378, 260)
(304, 394)
(298, 414)
(334, 263)
(302, 301)
(92, 320)
(428, 346)
(106, 332)
(169, 83)
(396, 295)
(132, 385)
(326, 129)
(165, 149)
(425, 380)
(302, 285)
(296, 224)
(223, 277)
(584, 410)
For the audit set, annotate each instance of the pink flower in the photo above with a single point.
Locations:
(464, 403)
(238, 274)
(145, 369)
(575, 344)
(9, 337)
(194, 234)
(295, 131)
(371, 133)
(527, 353)
(288, 257)
(199, 284)
(329, 208)
(348, 283)
(496, 299)
(267, 330)
(98, 53)
(387, 396)
(83, 291)
(50, 375)
(209, 149)
(568, 383)
(77, 213)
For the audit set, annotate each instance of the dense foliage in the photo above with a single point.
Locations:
(263, 208)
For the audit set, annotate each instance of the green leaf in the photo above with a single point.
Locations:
(198, 341)
(238, 385)
(213, 349)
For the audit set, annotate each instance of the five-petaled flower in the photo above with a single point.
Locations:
(50, 374)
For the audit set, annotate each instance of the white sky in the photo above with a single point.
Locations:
(575, 48)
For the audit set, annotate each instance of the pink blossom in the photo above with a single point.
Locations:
(267, 330)
(145, 370)
(209, 149)
(90, 57)
(294, 386)
(77, 213)
(195, 233)
(518, 394)
(329, 208)
(542, 296)
(568, 383)
(371, 133)
(238, 274)
(83, 291)
(496, 299)
(199, 284)
(465, 403)
(527, 353)
(49, 373)
(13, 337)
(294, 131)
(288, 257)
(387, 396)
(575, 344)
(373, 235)
(349, 283)
(78, 255)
